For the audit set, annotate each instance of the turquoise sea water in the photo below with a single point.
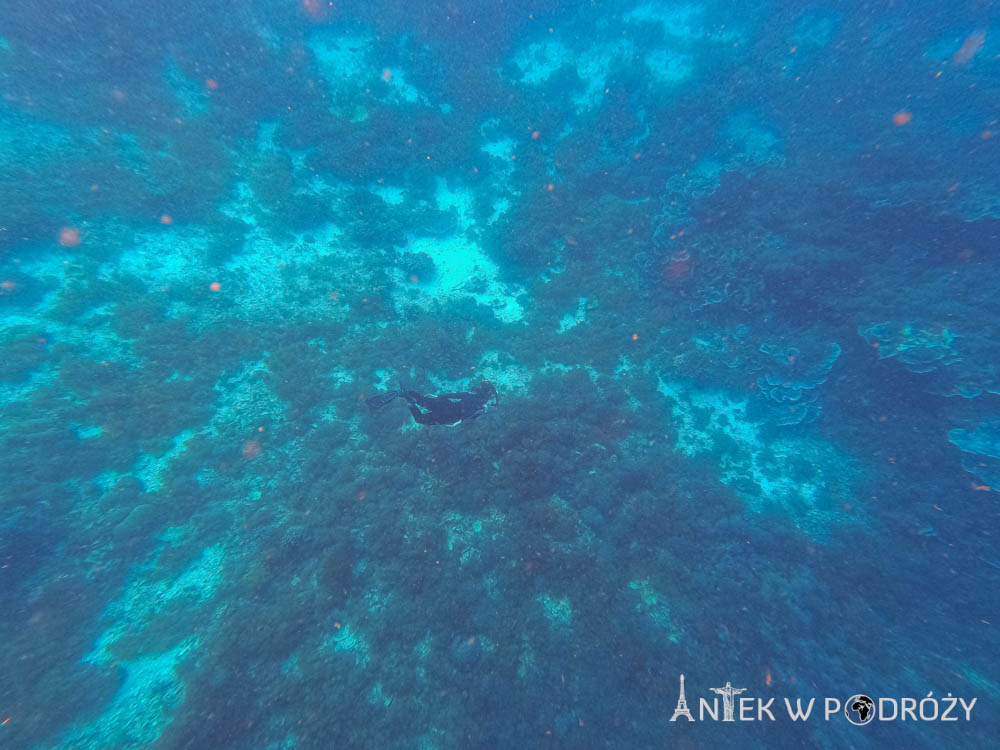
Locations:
(733, 270)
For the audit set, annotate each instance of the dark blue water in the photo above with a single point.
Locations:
(733, 271)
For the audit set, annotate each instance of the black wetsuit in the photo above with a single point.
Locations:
(448, 408)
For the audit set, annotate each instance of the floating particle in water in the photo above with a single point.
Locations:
(901, 118)
(166, 219)
(973, 42)
(215, 286)
(386, 75)
(69, 236)
(678, 268)
(315, 9)
(211, 84)
(251, 449)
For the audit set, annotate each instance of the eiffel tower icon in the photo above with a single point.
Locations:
(682, 706)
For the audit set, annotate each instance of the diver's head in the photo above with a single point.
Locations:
(486, 390)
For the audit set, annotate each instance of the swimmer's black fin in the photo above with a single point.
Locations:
(381, 400)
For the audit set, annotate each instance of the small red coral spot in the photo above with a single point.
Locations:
(215, 286)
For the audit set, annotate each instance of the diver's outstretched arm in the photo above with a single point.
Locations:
(427, 402)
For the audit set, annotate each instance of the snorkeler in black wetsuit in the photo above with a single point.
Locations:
(446, 409)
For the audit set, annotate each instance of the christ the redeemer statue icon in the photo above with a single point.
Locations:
(727, 694)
